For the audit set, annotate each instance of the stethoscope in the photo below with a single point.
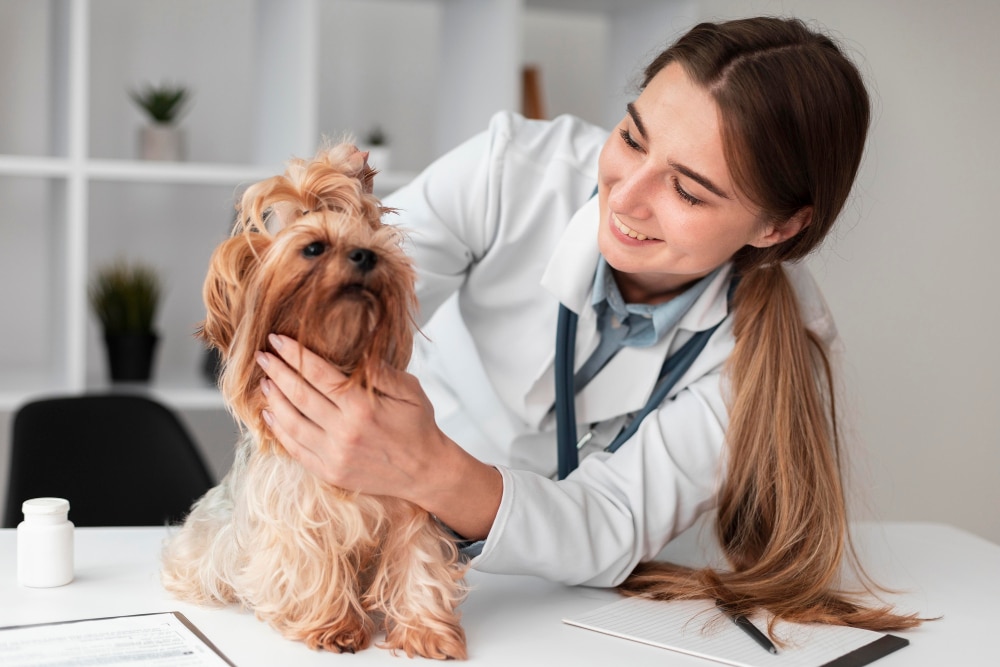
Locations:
(673, 368)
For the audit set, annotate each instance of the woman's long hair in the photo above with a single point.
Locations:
(794, 113)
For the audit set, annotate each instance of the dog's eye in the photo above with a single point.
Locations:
(314, 249)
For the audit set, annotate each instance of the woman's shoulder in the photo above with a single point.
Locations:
(564, 138)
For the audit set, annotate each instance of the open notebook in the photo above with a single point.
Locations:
(698, 628)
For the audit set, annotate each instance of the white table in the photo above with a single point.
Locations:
(512, 620)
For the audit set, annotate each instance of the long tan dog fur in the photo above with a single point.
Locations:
(310, 257)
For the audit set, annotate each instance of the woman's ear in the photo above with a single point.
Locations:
(775, 233)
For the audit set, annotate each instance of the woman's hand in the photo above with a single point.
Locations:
(383, 444)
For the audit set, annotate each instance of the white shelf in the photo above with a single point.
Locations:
(134, 171)
(175, 172)
(18, 165)
(271, 86)
(93, 207)
(207, 174)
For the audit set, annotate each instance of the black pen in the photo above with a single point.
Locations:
(744, 624)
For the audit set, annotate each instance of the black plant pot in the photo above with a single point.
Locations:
(130, 356)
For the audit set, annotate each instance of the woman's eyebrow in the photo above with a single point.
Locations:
(698, 178)
(636, 118)
(704, 181)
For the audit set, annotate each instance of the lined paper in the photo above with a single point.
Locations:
(698, 628)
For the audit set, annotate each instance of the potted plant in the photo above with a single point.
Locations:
(125, 298)
(377, 144)
(161, 138)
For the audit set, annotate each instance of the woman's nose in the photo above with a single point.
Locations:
(631, 194)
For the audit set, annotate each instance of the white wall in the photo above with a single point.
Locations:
(357, 75)
(570, 51)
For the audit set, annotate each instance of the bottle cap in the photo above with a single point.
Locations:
(45, 506)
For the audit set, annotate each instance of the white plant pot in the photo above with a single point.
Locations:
(378, 157)
(161, 142)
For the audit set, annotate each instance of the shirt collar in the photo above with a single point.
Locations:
(647, 323)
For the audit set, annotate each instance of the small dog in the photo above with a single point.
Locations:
(321, 565)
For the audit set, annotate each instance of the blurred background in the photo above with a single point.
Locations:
(909, 274)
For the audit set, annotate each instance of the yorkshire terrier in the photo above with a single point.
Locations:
(310, 257)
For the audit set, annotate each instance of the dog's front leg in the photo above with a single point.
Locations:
(418, 587)
(304, 545)
(198, 557)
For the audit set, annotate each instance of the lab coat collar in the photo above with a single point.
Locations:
(569, 275)
(712, 306)
(624, 385)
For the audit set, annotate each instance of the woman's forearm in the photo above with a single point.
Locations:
(461, 491)
(388, 444)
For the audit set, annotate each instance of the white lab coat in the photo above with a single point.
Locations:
(507, 221)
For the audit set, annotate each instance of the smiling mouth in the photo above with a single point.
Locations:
(631, 233)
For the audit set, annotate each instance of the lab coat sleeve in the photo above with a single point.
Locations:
(614, 510)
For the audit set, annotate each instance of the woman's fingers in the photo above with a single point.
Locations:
(312, 410)
(294, 439)
(317, 371)
(289, 424)
(310, 384)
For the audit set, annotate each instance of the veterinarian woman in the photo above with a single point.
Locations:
(730, 166)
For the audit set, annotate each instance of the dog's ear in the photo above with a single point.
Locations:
(232, 267)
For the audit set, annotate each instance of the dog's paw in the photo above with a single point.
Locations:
(439, 643)
(340, 639)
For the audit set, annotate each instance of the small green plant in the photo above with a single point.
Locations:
(163, 103)
(125, 297)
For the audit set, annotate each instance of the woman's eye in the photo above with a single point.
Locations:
(689, 198)
(627, 138)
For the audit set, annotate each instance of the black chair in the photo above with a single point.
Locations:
(120, 460)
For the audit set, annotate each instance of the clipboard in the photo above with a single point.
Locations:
(141, 637)
(698, 628)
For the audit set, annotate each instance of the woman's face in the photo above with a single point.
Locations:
(669, 211)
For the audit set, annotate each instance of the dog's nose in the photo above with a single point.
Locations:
(362, 258)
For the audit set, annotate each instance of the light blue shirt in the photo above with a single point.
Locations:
(624, 324)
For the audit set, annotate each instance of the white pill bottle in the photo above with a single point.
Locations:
(45, 543)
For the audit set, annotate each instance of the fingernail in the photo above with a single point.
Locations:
(276, 341)
(268, 417)
(261, 359)
(265, 386)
